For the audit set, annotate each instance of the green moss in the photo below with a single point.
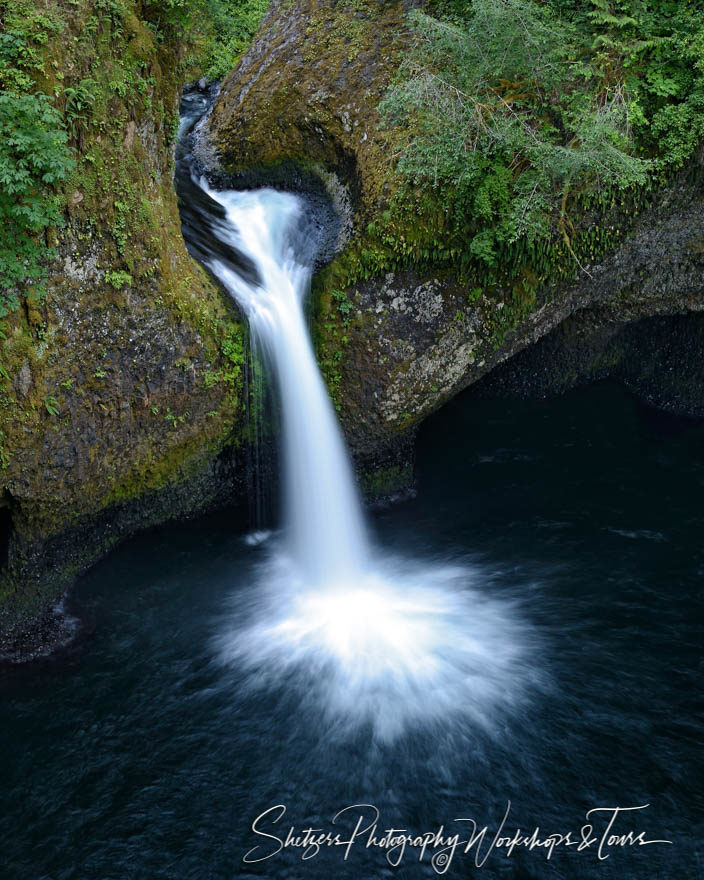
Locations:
(325, 112)
(122, 263)
(385, 481)
(155, 469)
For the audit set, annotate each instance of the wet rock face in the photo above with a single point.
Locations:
(117, 428)
(125, 364)
(388, 376)
(122, 387)
(307, 92)
(407, 342)
(415, 342)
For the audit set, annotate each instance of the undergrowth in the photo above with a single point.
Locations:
(70, 74)
(512, 120)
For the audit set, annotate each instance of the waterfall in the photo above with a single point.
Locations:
(323, 521)
(362, 637)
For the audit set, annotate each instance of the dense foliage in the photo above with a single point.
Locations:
(54, 110)
(231, 27)
(33, 157)
(506, 109)
(218, 30)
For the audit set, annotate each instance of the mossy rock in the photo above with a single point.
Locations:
(117, 392)
(394, 345)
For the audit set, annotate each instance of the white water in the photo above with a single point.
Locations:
(323, 515)
(369, 638)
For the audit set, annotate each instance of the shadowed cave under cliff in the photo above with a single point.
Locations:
(5, 531)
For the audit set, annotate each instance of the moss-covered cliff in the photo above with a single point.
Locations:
(407, 315)
(121, 365)
(121, 380)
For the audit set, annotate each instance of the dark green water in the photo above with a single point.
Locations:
(136, 753)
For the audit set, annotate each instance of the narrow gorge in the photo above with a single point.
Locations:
(124, 392)
(351, 432)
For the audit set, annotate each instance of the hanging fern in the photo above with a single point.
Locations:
(34, 157)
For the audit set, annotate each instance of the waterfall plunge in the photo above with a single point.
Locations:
(323, 516)
(366, 639)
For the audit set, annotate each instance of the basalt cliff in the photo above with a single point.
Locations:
(122, 399)
(395, 346)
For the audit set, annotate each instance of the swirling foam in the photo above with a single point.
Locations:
(409, 645)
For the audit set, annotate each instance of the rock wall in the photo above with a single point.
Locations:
(123, 402)
(659, 358)
(396, 346)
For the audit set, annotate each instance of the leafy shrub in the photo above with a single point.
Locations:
(33, 158)
(231, 26)
(495, 113)
(217, 31)
(34, 145)
(507, 114)
(15, 57)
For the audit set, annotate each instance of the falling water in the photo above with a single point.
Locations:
(326, 532)
(363, 636)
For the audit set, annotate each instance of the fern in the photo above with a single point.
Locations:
(603, 14)
(79, 100)
(34, 158)
(503, 108)
(491, 118)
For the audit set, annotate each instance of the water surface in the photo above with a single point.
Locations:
(143, 752)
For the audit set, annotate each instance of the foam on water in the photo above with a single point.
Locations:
(409, 644)
(366, 638)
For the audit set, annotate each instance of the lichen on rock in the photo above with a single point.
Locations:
(395, 345)
(121, 392)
